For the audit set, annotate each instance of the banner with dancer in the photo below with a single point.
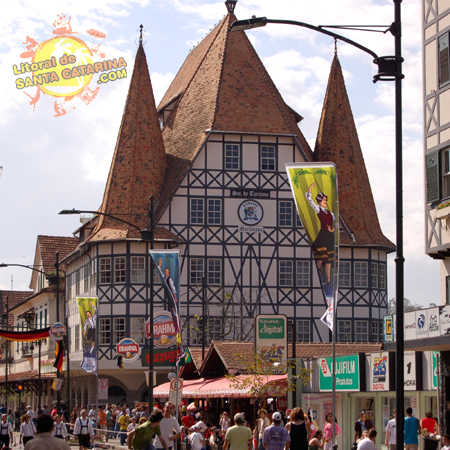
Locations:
(168, 267)
(314, 187)
(88, 320)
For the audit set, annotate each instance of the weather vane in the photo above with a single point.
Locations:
(142, 39)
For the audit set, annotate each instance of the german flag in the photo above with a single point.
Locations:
(26, 336)
(59, 355)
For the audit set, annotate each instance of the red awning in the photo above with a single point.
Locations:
(214, 388)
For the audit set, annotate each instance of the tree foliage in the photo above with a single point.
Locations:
(408, 306)
(258, 368)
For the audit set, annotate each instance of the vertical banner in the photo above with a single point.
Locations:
(314, 187)
(167, 264)
(88, 320)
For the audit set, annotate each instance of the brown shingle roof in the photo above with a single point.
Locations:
(139, 162)
(14, 298)
(222, 86)
(337, 141)
(49, 245)
(24, 376)
(228, 350)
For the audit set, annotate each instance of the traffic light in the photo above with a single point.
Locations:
(19, 389)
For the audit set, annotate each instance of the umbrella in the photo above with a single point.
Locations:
(96, 34)
(192, 407)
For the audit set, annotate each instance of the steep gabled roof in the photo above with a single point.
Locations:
(139, 162)
(49, 245)
(337, 141)
(222, 86)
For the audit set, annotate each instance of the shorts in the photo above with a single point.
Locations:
(84, 440)
(392, 446)
(411, 446)
(4, 439)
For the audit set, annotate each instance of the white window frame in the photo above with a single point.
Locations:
(214, 274)
(120, 269)
(232, 157)
(345, 274)
(196, 273)
(344, 330)
(105, 270)
(77, 282)
(374, 274)
(382, 280)
(137, 273)
(375, 331)
(214, 213)
(119, 329)
(303, 273)
(303, 335)
(286, 272)
(104, 331)
(197, 211)
(76, 339)
(267, 161)
(94, 265)
(360, 274)
(214, 328)
(285, 213)
(361, 331)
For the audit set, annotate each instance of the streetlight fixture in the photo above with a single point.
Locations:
(389, 69)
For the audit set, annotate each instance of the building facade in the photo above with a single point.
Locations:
(213, 150)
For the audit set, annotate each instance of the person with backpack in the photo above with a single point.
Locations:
(362, 424)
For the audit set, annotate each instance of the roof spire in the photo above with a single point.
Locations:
(337, 141)
(140, 35)
(230, 4)
(335, 46)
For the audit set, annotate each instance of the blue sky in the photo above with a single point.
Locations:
(53, 163)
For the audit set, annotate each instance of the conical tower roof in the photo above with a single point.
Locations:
(139, 161)
(222, 86)
(337, 141)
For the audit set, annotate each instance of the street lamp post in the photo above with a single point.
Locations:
(147, 235)
(389, 69)
(39, 343)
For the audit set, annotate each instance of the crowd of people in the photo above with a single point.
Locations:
(193, 429)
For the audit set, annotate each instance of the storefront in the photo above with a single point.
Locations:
(366, 381)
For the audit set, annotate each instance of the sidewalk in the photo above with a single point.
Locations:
(113, 444)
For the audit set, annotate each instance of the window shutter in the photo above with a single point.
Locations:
(444, 72)
(432, 173)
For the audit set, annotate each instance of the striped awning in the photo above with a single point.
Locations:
(219, 387)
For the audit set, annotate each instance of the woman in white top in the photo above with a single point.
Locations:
(59, 428)
(131, 426)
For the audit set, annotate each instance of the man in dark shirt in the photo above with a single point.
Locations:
(362, 424)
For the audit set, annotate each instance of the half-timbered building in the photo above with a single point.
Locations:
(213, 156)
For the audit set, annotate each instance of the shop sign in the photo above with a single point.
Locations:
(410, 325)
(250, 212)
(421, 324)
(129, 349)
(413, 371)
(388, 329)
(58, 331)
(162, 357)
(347, 373)
(379, 371)
(271, 336)
(444, 319)
(164, 333)
(433, 322)
(435, 356)
(250, 193)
